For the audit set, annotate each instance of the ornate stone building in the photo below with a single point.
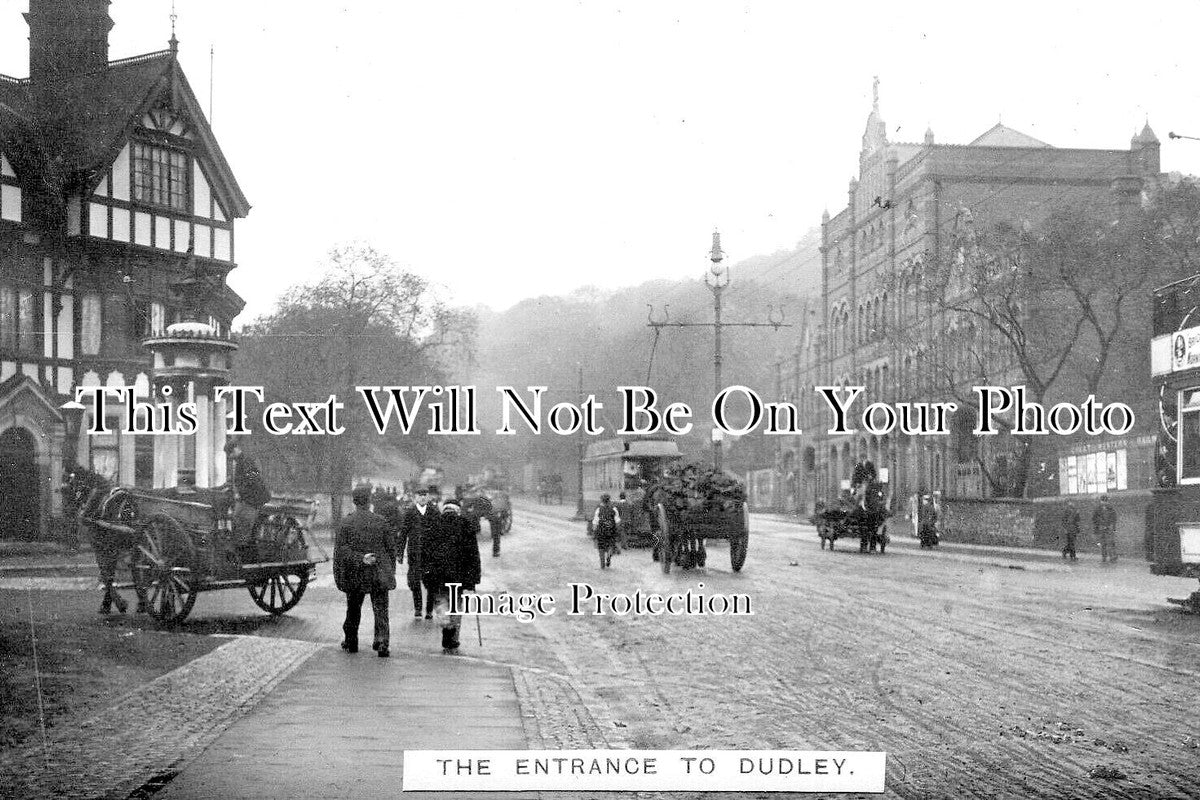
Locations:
(911, 199)
(117, 213)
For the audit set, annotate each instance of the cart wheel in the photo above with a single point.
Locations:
(165, 568)
(665, 552)
(278, 593)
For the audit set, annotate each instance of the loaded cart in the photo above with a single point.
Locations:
(181, 545)
(693, 505)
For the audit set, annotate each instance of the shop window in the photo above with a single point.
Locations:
(1189, 436)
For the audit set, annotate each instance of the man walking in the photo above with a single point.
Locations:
(1070, 527)
(415, 526)
(450, 554)
(1104, 521)
(364, 563)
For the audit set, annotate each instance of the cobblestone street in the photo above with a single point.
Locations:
(981, 675)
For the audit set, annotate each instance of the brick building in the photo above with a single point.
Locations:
(117, 214)
(870, 329)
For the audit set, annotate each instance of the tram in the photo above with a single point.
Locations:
(1174, 516)
(630, 465)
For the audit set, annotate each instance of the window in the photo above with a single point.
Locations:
(158, 317)
(1189, 436)
(89, 332)
(26, 322)
(8, 318)
(105, 452)
(160, 176)
(18, 320)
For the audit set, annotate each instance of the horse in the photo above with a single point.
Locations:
(870, 512)
(93, 497)
(869, 516)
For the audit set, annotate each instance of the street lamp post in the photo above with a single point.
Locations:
(717, 278)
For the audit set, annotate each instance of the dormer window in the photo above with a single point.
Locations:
(160, 176)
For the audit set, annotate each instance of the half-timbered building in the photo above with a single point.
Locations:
(117, 213)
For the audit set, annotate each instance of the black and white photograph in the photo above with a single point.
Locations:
(585, 398)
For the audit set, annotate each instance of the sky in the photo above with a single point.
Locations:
(507, 150)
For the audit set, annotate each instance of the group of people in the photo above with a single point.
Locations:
(1104, 524)
(439, 543)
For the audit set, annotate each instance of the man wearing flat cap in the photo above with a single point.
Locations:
(364, 563)
(250, 494)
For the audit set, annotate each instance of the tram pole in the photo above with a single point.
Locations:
(580, 511)
(716, 279)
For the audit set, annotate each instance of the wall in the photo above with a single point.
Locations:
(1003, 522)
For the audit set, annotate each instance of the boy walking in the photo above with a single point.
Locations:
(605, 523)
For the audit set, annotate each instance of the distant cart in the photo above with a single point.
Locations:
(184, 545)
(682, 533)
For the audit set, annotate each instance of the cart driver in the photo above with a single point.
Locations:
(250, 494)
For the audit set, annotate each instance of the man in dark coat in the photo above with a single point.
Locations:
(927, 519)
(250, 494)
(364, 562)
(1104, 521)
(1070, 526)
(450, 554)
(418, 519)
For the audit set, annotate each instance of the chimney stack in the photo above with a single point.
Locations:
(67, 38)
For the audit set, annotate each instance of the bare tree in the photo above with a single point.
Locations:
(365, 320)
(1048, 307)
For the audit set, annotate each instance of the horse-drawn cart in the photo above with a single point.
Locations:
(869, 528)
(181, 545)
(682, 533)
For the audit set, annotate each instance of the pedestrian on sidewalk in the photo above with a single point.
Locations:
(364, 563)
(418, 520)
(450, 554)
(1104, 521)
(1070, 529)
(605, 522)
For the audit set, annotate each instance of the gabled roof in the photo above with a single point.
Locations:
(1002, 136)
(21, 382)
(84, 129)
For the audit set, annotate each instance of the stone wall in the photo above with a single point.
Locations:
(1028, 523)
(1002, 522)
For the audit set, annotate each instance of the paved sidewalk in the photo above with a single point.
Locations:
(153, 726)
(338, 727)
